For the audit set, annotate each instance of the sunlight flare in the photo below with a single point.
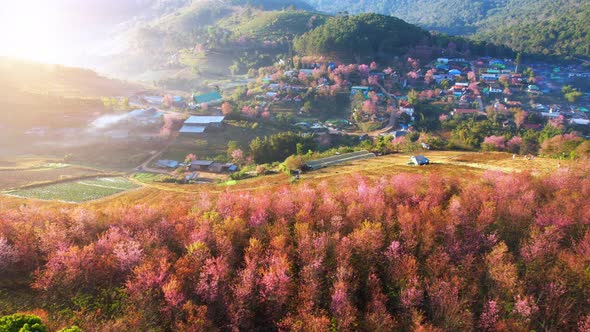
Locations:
(32, 30)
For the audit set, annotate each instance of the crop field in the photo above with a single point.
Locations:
(77, 191)
(338, 159)
(14, 178)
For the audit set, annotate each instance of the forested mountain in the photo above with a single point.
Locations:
(546, 27)
(362, 35)
(168, 40)
(564, 34)
(213, 39)
(273, 4)
(367, 37)
(450, 16)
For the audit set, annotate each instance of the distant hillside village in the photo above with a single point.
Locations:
(312, 107)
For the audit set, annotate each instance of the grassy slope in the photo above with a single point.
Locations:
(466, 165)
(19, 76)
(272, 25)
(36, 94)
(190, 25)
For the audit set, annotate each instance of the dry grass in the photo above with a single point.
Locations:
(463, 165)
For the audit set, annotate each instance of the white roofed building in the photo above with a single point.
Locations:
(198, 124)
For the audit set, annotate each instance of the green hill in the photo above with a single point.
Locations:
(449, 16)
(563, 34)
(273, 25)
(358, 36)
(212, 40)
(28, 77)
(547, 27)
(201, 21)
(273, 4)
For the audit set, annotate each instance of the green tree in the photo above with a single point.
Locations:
(71, 329)
(279, 146)
(517, 61)
(359, 36)
(357, 101)
(234, 68)
(572, 95)
(124, 103)
(413, 97)
(307, 106)
(294, 162)
(21, 323)
(548, 132)
(298, 64)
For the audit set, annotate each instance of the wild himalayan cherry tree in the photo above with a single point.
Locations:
(226, 108)
(495, 252)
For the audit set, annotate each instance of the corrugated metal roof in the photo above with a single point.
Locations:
(192, 129)
(207, 97)
(150, 113)
(201, 162)
(465, 111)
(167, 163)
(204, 119)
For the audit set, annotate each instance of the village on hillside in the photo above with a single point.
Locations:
(482, 103)
(294, 114)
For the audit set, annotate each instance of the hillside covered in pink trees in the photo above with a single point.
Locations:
(507, 252)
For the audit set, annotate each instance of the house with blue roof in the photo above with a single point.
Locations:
(208, 98)
(165, 163)
(359, 89)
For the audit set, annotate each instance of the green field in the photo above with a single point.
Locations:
(78, 191)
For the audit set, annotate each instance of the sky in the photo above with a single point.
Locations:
(60, 31)
(36, 30)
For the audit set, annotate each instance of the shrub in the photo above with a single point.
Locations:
(294, 162)
(71, 329)
(280, 146)
(561, 146)
(494, 143)
(242, 174)
(21, 323)
(261, 170)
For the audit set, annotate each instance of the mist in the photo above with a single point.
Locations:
(109, 120)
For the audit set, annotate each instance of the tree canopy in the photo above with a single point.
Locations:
(361, 35)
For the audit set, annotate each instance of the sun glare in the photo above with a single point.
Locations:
(33, 30)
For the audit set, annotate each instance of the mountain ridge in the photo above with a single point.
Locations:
(515, 23)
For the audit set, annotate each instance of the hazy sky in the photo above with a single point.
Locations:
(60, 31)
